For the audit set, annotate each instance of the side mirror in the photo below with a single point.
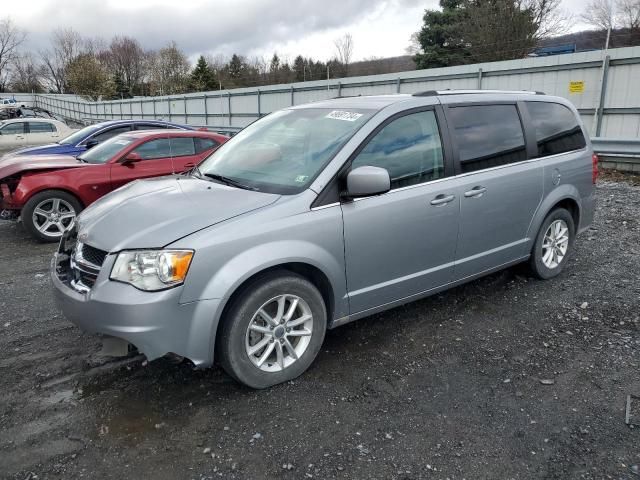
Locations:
(132, 157)
(366, 181)
(91, 144)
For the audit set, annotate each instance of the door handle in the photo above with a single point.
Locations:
(475, 192)
(442, 199)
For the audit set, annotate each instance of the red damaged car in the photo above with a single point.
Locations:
(48, 191)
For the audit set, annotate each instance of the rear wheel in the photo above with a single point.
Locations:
(273, 330)
(553, 245)
(48, 214)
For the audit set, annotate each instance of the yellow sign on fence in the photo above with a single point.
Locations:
(576, 87)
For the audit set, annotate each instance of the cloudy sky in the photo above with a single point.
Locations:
(251, 27)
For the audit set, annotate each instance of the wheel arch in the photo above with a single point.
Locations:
(565, 196)
(306, 270)
(32, 191)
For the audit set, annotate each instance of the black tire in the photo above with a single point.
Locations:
(230, 343)
(28, 209)
(538, 268)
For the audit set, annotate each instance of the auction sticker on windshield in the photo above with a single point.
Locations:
(347, 116)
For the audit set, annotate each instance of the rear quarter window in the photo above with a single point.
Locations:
(556, 127)
(487, 136)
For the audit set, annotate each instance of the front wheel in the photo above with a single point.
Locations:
(273, 330)
(48, 214)
(553, 244)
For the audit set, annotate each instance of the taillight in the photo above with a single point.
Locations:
(594, 168)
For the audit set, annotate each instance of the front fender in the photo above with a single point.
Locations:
(238, 269)
(30, 185)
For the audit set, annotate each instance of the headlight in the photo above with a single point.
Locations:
(152, 269)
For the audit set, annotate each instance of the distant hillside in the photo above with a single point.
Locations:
(374, 66)
(595, 39)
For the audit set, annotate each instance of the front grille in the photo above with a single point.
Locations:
(79, 264)
(93, 255)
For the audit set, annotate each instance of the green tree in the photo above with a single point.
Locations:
(471, 31)
(202, 77)
(89, 78)
(442, 37)
(121, 89)
(235, 70)
(299, 67)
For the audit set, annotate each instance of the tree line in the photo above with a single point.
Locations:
(122, 68)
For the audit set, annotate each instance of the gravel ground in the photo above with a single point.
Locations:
(506, 377)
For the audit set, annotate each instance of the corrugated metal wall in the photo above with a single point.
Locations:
(620, 116)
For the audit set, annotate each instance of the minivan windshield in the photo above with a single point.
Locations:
(106, 150)
(284, 152)
(80, 135)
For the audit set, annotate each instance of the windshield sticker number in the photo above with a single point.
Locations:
(302, 178)
(347, 116)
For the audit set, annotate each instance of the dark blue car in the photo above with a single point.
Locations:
(90, 136)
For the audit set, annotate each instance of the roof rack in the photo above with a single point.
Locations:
(435, 93)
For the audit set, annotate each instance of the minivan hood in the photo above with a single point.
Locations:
(153, 213)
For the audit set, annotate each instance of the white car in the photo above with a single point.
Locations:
(33, 131)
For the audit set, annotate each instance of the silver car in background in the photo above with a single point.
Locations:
(321, 214)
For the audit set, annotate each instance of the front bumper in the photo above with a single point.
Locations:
(155, 322)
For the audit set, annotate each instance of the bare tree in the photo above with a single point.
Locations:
(66, 45)
(344, 51)
(629, 14)
(169, 70)
(126, 59)
(600, 14)
(11, 37)
(414, 44)
(26, 74)
(548, 19)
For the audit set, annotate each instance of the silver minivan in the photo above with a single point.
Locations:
(321, 214)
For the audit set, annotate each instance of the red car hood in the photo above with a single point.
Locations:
(25, 163)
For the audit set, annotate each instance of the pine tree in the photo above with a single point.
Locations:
(202, 78)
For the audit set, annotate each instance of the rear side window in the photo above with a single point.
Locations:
(409, 148)
(40, 127)
(13, 129)
(158, 148)
(487, 136)
(182, 146)
(557, 128)
(101, 137)
(203, 144)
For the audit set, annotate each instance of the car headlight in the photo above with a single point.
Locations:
(152, 269)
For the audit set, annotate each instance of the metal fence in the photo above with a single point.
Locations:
(604, 86)
(623, 155)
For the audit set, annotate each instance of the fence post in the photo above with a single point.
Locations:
(480, 79)
(154, 108)
(206, 109)
(398, 85)
(292, 99)
(603, 95)
(186, 118)
(169, 106)
(229, 106)
(259, 107)
(339, 89)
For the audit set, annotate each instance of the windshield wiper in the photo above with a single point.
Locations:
(228, 181)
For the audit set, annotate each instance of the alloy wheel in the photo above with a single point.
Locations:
(53, 216)
(555, 244)
(279, 333)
